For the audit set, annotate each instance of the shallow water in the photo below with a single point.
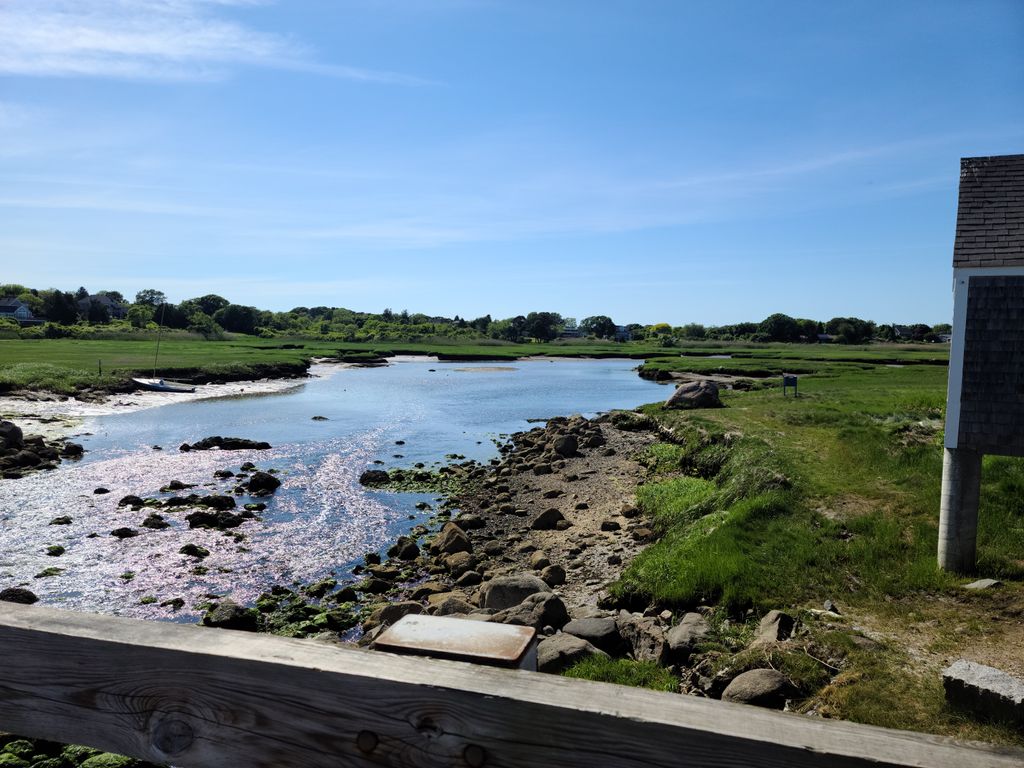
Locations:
(321, 521)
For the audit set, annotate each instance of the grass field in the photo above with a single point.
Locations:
(784, 502)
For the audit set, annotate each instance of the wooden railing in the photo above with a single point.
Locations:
(191, 696)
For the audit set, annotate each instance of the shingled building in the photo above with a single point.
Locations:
(985, 400)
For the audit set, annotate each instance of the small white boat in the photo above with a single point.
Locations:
(159, 385)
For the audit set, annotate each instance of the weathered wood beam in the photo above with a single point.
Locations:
(200, 697)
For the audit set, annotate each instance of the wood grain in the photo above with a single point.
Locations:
(204, 697)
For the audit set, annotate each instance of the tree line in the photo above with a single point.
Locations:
(74, 312)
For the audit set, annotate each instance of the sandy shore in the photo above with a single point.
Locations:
(55, 418)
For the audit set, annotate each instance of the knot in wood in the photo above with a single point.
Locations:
(474, 755)
(367, 741)
(172, 736)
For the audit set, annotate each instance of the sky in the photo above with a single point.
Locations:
(655, 161)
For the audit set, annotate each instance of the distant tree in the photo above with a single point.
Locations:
(481, 323)
(637, 331)
(12, 289)
(509, 329)
(542, 326)
(601, 326)
(97, 313)
(850, 330)
(170, 316)
(32, 300)
(140, 315)
(209, 303)
(237, 319)
(202, 323)
(569, 323)
(694, 331)
(942, 328)
(151, 297)
(387, 315)
(919, 330)
(660, 329)
(60, 307)
(112, 295)
(81, 293)
(403, 318)
(779, 327)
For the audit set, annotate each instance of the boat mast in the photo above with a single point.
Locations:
(159, 330)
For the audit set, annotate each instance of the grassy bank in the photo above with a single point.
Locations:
(783, 503)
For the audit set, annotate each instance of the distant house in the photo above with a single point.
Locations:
(622, 333)
(571, 333)
(945, 338)
(16, 310)
(116, 309)
(903, 331)
(825, 338)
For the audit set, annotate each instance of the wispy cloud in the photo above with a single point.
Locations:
(151, 40)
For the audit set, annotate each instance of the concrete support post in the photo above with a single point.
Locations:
(958, 516)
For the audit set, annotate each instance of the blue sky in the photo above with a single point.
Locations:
(654, 161)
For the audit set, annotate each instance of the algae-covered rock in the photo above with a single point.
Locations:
(110, 760)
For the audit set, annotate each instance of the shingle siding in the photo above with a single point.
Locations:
(992, 396)
(990, 213)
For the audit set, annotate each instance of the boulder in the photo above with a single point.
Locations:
(760, 687)
(565, 446)
(539, 561)
(18, 594)
(124, 533)
(985, 691)
(262, 484)
(72, 450)
(561, 651)
(553, 575)
(228, 614)
(644, 637)
(155, 522)
(390, 613)
(452, 605)
(215, 501)
(449, 540)
(226, 444)
(374, 477)
(695, 394)
(217, 520)
(504, 592)
(11, 435)
(539, 610)
(547, 520)
(459, 562)
(404, 549)
(600, 632)
(130, 501)
(683, 637)
(774, 627)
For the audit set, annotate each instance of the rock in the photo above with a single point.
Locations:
(62, 520)
(228, 614)
(262, 484)
(216, 520)
(539, 561)
(469, 579)
(11, 435)
(194, 550)
(130, 501)
(561, 651)
(100, 491)
(610, 525)
(695, 394)
(451, 606)
(451, 539)
(215, 501)
(390, 613)
(628, 511)
(504, 592)
(832, 608)
(373, 585)
(985, 691)
(542, 469)
(175, 485)
(223, 474)
(541, 609)
(683, 637)
(468, 522)
(553, 575)
(374, 477)
(601, 632)
(980, 584)
(774, 627)
(155, 521)
(124, 533)
(55, 550)
(459, 562)
(427, 589)
(760, 687)
(644, 636)
(227, 444)
(565, 446)
(404, 549)
(547, 520)
(320, 418)
(18, 594)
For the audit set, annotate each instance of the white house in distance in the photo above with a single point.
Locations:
(16, 309)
